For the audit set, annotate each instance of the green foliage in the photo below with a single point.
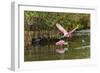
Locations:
(35, 20)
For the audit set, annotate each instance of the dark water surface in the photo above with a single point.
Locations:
(38, 52)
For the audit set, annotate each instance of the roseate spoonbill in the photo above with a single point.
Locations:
(66, 34)
(61, 42)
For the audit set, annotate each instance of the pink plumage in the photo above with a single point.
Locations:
(61, 42)
(66, 34)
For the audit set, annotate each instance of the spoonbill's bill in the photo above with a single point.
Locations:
(66, 34)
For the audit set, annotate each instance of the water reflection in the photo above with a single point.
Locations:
(60, 56)
(45, 52)
(51, 51)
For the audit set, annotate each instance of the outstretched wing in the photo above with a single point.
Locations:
(61, 29)
(74, 29)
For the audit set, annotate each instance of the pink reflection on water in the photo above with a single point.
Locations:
(61, 48)
(61, 42)
(60, 51)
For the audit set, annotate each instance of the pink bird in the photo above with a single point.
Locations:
(66, 34)
(61, 42)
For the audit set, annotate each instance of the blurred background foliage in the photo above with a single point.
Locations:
(35, 20)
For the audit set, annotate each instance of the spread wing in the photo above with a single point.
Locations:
(74, 29)
(61, 29)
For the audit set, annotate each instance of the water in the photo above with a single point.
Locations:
(38, 52)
